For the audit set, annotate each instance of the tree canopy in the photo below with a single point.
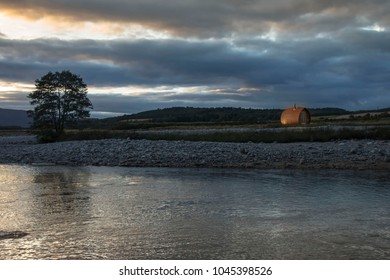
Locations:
(60, 98)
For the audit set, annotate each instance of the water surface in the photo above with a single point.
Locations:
(166, 213)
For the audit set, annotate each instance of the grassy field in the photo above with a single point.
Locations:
(322, 129)
(13, 132)
(308, 134)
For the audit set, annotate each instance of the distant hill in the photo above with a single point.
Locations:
(177, 115)
(204, 116)
(224, 114)
(14, 118)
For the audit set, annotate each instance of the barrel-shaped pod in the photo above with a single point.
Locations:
(295, 116)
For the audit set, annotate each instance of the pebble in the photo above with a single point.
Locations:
(357, 154)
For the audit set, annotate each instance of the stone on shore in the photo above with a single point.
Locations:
(351, 154)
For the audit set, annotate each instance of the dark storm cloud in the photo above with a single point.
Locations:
(146, 62)
(348, 69)
(202, 18)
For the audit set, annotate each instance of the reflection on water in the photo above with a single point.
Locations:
(160, 213)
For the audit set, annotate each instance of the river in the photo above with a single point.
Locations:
(167, 213)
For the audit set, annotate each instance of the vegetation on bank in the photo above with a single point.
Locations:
(194, 118)
(328, 124)
(310, 134)
(190, 116)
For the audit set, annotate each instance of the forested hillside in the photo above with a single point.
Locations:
(225, 114)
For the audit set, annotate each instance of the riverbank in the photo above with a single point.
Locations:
(348, 154)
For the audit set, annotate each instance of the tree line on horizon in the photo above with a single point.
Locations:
(207, 116)
(218, 114)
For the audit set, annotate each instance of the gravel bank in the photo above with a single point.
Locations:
(362, 154)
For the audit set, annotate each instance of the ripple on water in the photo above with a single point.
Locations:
(165, 213)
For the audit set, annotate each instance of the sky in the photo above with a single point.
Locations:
(138, 55)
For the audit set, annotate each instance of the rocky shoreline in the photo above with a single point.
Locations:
(351, 154)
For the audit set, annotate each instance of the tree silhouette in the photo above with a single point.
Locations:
(60, 98)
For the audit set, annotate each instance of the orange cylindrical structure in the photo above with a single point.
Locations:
(295, 115)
